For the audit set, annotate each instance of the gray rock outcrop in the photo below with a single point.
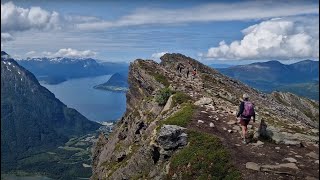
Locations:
(172, 137)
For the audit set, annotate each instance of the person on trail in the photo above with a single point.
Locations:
(181, 68)
(194, 73)
(246, 111)
(178, 67)
(188, 71)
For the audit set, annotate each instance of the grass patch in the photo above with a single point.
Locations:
(136, 114)
(209, 81)
(279, 123)
(180, 118)
(179, 98)
(158, 77)
(68, 148)
(204, 158)
(161, 79)
(279, 99)
(149, 98)
(114, 165)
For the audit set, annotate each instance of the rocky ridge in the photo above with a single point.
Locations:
(150, 138)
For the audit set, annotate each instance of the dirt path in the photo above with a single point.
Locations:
(266, 154)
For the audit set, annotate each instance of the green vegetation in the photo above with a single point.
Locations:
(149, 116)
(163, 96)
(136, 114)
(279, 99)
(158, 77)
(64, 162)
(114, 165)
(278, 123)
(309, 89)
(182, 117)
(140, 175)
(161, 79)
(208, 80)
(179, 98)
(204, 158)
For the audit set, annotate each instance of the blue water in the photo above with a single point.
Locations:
(96, 105)
(14, 177)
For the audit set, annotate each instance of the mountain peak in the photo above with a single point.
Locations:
(33, 120)
(4, 55)
(270, 63)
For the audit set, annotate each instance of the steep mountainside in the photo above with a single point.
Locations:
(273, 75)
(32, 119)
(57, 70)
(182, 128)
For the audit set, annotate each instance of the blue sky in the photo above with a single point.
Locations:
(232, 32)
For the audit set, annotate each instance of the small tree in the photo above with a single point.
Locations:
(163, 96)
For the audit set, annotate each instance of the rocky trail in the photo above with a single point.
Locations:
(258, 159)
(301, 162)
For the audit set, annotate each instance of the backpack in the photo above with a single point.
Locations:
(248, 109)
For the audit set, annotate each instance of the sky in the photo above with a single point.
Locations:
(214, 32)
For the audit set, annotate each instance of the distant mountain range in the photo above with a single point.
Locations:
(33, 121)
(220, 65)
(57, 70)
(273, 75)
(117, 82)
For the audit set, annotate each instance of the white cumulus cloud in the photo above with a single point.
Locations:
(69, 52)
(6, 37)
(31, 53)
(158, 55)
(279, 38)
(14, 18)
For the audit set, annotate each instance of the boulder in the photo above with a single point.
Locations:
(311, 178)
(211, 125)
(253, 166)
(232, 122)
(290, 142)
(313, 155)
(203, 101)
(292, 160)
(168, 104)
(172, 137)
(258, 143)
(200, 121)
(263, 129)
(279, 166)
(236, 128)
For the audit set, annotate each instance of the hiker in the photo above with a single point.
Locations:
(188, 71)
(246, 111)
(181, 67)
(194, 73)
(178, 67)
